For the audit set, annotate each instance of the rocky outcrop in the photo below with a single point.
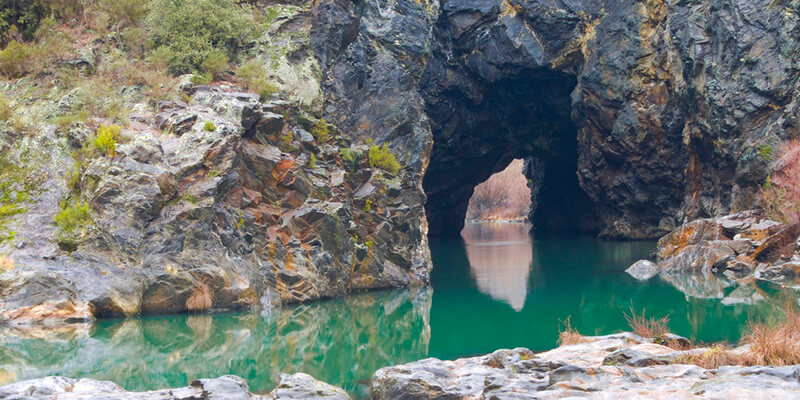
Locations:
(226, 202)
(662, 109)
(290, 387)
(622, 366)
(634, 118)
(737, 245)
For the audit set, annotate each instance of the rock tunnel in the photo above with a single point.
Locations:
(489, 101)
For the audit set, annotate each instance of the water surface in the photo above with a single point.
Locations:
(498, 287)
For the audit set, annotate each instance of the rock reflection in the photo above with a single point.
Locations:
(500, 257)
(700, 286)
(340, 341)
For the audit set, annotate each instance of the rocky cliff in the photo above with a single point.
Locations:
(635, 117)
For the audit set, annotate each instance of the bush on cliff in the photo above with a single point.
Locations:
(383, 158)
(781, 193)
(187, 33)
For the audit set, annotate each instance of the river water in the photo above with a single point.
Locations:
(498, 287)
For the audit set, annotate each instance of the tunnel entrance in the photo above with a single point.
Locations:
(498, 87)
(480, 127)
(505, 196)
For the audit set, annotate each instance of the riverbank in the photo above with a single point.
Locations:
(623, 365)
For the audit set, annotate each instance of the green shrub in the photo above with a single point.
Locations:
(383, 158)
(350, 157)
(312, 162)
(20, 17)
(72, 222)
(106, 140)
(253, 75)
(12, 60)
(6, 112)
(215, 64)
(320, 131)
(188, 32)
(201, 79)
(126, 12)
(209, 126)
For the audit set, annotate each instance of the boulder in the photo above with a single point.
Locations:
(693, 233)
(643, 270)
(301, 386)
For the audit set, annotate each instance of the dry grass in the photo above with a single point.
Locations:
(775, 343)
(654, 328)
(6, 263)
(569, 335)
(717, 356)
(201, 299)
(781, 193)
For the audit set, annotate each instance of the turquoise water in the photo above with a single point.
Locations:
(499, 288)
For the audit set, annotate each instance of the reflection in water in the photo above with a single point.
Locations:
(500, 257)
(344, 341)
(341, 342)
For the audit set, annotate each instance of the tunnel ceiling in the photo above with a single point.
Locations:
(491, 97)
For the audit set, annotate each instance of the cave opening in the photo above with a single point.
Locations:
(504, 197)
(480, 125)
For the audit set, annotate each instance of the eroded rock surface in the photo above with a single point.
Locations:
(290, 387)
(622, 366)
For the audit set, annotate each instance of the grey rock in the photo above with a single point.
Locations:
(301, 386)
(642, 270)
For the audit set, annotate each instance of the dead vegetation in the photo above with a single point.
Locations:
(780, 195)
(569, 335)
(6, 263)
(201, 299)
(655, 328)
(504, 196)
(774, 342)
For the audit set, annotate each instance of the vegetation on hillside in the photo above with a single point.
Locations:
(504, 196)
(781, 192)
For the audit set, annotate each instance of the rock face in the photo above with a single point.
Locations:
(622, 366)
(252, 212)
(666, 111)
(290, 387)
(634, 117)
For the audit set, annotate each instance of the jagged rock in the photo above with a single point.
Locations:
(304, 387)
(780, 245)
(58, 388)
(691, 234)
(615, 366)
(643, 270)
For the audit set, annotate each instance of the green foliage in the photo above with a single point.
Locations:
(201, 79)
(312, 162)
(106, 139)
(383, 158)
(184, 197)
(320, 131)
(351, 158)
(12, 60)
(72, 221)
(17, 183)
(125, 12)
(20, 18)
(766, 152)
(186, 33)
(215, 64)
(209, 126)
(253, 75)
(368, 205)
(6, 112)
